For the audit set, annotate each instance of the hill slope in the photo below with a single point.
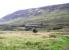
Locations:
(49, 15)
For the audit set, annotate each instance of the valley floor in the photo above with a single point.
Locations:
(21, 40)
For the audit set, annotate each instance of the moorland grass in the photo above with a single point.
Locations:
(30, 41)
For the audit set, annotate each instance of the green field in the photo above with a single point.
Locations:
(34, 41)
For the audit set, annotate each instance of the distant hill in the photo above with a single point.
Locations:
(48, 15)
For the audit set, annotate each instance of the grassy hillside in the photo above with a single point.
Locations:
(55, 15)
(51, 14)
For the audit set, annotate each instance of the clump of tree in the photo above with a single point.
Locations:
(57, 27)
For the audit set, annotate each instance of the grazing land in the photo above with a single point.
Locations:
(42, 28)
(21, 40)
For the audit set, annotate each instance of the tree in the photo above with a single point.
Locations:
(34, 30)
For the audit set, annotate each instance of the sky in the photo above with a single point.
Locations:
(10, 6)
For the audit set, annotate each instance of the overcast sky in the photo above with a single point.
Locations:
(9, 6)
